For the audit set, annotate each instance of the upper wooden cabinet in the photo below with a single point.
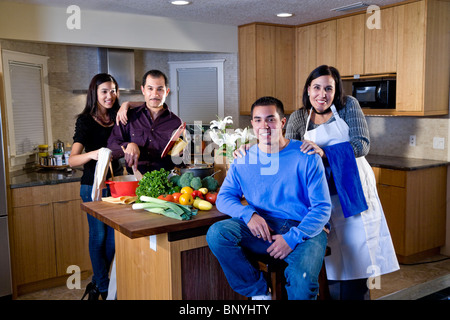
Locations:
(266, 64)
(350, 45)
(366, 51)
(423, 63)
(315, 45)
(380, 45)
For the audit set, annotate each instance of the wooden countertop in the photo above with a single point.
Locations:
(141, 223)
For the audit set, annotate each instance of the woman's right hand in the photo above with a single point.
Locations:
(311, 147)
(121, 116)
(241, 151)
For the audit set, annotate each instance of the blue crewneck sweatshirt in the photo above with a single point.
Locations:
(286, 185)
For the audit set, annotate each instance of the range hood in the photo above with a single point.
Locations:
(120, 64)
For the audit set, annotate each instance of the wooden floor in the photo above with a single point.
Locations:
(409, 283)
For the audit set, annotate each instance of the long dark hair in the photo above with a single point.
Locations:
(339, 96)
(92, 99)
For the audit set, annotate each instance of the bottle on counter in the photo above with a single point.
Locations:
(58, 147)
(43, 153)
(58, 157)
(66, 157)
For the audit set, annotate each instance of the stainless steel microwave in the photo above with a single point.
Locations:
(375, 94)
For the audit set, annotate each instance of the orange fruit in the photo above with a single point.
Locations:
(186, 199)
(188, 190)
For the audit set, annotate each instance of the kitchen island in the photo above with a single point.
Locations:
(162, 258)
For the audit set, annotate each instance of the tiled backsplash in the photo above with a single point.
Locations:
(390, 136)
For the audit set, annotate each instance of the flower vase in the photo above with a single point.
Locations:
(222, 163)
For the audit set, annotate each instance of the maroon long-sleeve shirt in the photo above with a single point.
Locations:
(151, 137)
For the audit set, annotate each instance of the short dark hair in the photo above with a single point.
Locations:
(269, 101)
(155, 74)
(324, 70)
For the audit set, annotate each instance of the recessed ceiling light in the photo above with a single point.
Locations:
(284, 15)
(180, 3)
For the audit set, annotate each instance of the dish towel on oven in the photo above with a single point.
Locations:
(346, 178)
(101, 168)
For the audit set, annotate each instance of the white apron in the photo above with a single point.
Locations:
(361, 245)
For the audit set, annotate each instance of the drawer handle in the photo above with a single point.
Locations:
(44, 204)
(66, 201)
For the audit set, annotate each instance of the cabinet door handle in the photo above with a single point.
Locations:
(44, 204)
(66, 201)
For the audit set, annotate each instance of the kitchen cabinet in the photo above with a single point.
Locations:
(423, 66)
(266, 65)
(414, 203)
(49, 233)
(350, 45)
(380, 45)
(315, 45)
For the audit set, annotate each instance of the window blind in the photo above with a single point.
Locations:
(198, 94)
(27, 104)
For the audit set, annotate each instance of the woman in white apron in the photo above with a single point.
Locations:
(361, 245)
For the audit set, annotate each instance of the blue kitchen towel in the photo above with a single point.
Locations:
(346, 178)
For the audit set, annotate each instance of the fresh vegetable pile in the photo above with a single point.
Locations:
(176, 196)
(187, 179)
(166, 208)
(155, 183)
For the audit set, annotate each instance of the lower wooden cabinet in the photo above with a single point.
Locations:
(49, 233)
(414, 203)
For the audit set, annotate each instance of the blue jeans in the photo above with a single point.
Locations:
(230, 239)
(101, 244)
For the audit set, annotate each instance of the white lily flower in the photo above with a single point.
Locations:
(230, 140)
(221, 124)
(215, 137)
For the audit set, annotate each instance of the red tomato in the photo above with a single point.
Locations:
(211, 197)
(198, 194)
(167, 197)
(176, 197)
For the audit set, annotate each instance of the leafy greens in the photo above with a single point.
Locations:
(154, 183)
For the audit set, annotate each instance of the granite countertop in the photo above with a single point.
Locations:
(40, 177)
(405, 164)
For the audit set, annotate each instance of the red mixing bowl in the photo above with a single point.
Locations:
(123, 186)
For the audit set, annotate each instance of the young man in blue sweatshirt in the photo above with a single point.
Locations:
(286, 215)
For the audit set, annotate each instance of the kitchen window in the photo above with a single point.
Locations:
(27, 105)
(197, 90)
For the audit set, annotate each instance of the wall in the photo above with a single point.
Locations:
(100, 28)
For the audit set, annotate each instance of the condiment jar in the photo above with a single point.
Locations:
(58, 147)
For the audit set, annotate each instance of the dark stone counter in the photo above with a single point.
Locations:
(40, 177)
(405, 164)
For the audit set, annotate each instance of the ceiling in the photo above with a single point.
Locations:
(225, 12)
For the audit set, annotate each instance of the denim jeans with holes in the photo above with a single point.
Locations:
(101, 243)
(230, 239)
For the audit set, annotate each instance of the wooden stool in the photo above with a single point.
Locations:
(273, 270)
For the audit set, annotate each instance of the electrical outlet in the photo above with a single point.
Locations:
(412, 141)
(438, 143)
